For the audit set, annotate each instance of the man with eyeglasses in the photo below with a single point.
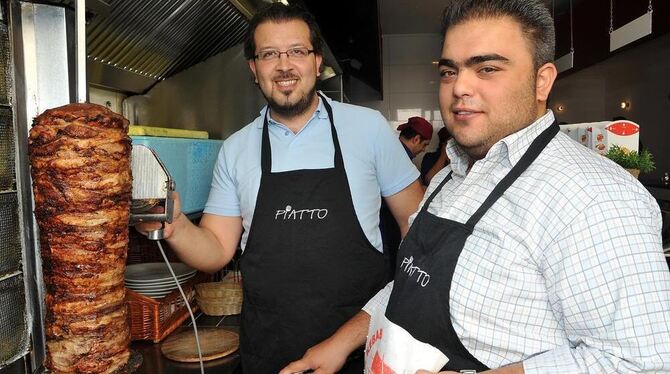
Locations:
(300, 187)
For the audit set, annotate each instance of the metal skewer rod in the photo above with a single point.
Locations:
(80, 36)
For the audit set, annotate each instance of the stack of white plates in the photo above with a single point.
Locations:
(153, 279)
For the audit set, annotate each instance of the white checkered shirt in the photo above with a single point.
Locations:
(565, 272)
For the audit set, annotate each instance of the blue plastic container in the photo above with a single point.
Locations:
(190, 162)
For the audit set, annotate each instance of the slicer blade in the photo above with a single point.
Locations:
(150, 177)
(152, 186)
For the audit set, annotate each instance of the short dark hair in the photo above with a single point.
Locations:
(278, 12)
(409, 133)
(533, 15)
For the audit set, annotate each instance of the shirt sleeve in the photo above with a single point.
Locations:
(395, 170)
(223, 197)
(379, 301)
(609, 286)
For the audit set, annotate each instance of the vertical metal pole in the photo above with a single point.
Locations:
(80, 35)
(341, 89)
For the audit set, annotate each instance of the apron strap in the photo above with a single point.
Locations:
(338, 162)
(437, 190)
(531, 154)
(266, 153)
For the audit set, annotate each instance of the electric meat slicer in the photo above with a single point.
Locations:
(152, 186)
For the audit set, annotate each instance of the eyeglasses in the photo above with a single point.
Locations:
(292, 53)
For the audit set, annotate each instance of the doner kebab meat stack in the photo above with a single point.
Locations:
(80, 158)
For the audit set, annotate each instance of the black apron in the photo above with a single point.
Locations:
(426, 262)
(308, 266)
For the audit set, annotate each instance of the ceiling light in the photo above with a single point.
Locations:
(327, 73)
(624, 105)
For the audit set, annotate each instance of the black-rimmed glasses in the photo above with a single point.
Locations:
(291, 53)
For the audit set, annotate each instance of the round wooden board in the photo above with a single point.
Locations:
(215, 343)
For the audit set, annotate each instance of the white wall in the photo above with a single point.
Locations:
(110, 99)
(411, 79)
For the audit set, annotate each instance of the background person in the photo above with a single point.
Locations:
(415, 135)
(435, 161)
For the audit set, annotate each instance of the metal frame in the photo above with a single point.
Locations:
(31, 264)
(40, 82)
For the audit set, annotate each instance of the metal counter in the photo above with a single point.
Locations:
(154, 362)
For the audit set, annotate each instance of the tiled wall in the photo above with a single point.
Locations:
(110, 99)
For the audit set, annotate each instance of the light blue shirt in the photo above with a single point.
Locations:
(375, 162)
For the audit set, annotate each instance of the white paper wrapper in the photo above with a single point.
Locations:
(391, 349)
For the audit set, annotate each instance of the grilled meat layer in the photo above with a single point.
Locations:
(80, 158)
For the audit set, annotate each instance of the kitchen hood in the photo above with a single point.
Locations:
(131, 45)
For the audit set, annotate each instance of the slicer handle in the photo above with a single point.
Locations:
(157, 234)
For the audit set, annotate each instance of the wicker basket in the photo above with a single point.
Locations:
(153, 319)
(220, 298)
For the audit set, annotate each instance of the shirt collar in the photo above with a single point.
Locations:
(409, 153)
(320, 112)
(511, 147)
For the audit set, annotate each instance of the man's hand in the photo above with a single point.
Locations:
(324, 358)
(145, 227)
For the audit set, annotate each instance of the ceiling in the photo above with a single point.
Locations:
(424, 16)
(138, 43)
(410, 17)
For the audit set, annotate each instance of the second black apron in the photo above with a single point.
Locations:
(307, 267)
(427, 258)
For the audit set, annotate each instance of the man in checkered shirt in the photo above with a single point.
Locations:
(531, 253)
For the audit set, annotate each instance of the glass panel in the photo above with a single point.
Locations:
(10, 245)
(13, 339)
(7, 169)
(5, 65)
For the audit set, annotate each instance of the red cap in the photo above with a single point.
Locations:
(420, 125)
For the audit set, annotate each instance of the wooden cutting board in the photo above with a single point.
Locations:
(215, 342)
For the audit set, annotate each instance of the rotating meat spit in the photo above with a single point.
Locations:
(152, 186)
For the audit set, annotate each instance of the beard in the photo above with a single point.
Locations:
(285, 108)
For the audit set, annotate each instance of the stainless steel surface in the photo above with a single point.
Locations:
(39, 51)
(45, 58)
(150, 178)
(10, 242)
(157, 234)
(5, 63)
(80, 50)
(13, 322)
(565, 62)
(7, 150)
(152, 185)
(630, 32)
(19, 366)
(155, 39)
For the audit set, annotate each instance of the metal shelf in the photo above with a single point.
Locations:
(11, 275)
